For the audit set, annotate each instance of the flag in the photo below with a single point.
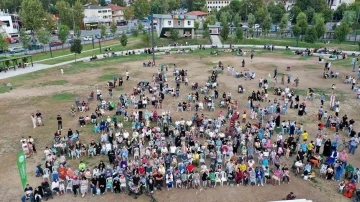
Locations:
(21, 163)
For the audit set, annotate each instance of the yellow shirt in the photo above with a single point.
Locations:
(244, 116)
(305, 136)
(310, 146)
(242, 167)
(196, 156)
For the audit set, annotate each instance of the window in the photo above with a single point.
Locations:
(189, 22)
(179, 23)
(169, 22)
(99, 11)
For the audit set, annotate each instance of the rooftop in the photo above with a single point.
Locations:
(95, 7)
(178, 17)
(115, 7)
(197, 13)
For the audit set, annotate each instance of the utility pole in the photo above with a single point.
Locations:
(152, 36)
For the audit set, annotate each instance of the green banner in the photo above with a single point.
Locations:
(21, 163)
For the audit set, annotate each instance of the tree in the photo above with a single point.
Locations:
(319, 25)
(328, 15)
(251, 20)
(77, 31)
(32, 14)
(224, 33)
(44, 36)
(123, 39)
(63, 34)
(239, 34)
(349, 17)
(141, 9)
(76, 47)
(119, 2)
(193, 5)
(146, 39)
(129, 12)
(11, 5)
(338, 13)
(284, 22)
(206, 33)
(301, 21)
(210, 20)
(297, 32)
(3, 44)
(69, 15)
(311, 35)
(135, 32)
(24, 38)
(276, 11)
(294, 12)
(102, 31)
(266, 25)
(173, 5)
(235, 6)
(310, 13)
(103, 3)
(50, 22)
(236, 19)
(174, 34)
(140, 27)
(341, 32)
(196, 25)
(261, 14)
(113, 28)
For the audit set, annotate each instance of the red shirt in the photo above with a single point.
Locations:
(190, 167)
(141, 170)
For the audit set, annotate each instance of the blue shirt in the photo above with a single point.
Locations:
(303, 147)
(265, 162)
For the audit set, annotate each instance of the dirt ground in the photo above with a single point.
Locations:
(39, 93)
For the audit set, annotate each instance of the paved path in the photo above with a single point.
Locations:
(215, 40)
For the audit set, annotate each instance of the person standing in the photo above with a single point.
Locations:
(353, 145)
(59, 120)
(296, 81)
(127, 75)
(33, 119)
(252, 55)
(321, 113)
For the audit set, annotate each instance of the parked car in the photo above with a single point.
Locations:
(16, 50)
(55, 43)
(14, 40)
(97, 36)
(122, 23)
(88, 38)
(256, 26)
(109, 35)
(36, 46)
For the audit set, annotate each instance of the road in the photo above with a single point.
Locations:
(83, 33)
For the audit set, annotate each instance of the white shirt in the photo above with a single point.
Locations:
(287, 90)
(126, 134)
(318, 141)
(172, 149)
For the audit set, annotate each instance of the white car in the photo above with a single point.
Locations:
(256, 26)
(88, 38)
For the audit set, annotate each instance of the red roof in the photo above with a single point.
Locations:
(197, 13)
(115, 7)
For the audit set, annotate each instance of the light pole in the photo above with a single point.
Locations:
(152, 36)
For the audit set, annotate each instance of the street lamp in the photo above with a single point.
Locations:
(152, 34)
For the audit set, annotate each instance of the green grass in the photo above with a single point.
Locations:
(349, 46)
(5, 89)
(82, 66)
(107, 77)
(55, 83)
(109, 69)
(63, 96)
(182, 41)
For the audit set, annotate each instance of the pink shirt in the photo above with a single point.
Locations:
(343, 156)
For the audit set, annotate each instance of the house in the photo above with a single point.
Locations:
(2, 27)
(183, 23)
(334, 4)
(117, 12)
(199, 14)
(215, 29)
(6, 18)
(216, 4)
(94, 16)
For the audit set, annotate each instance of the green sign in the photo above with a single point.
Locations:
(21, 163)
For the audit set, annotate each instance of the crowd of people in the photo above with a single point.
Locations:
(147, 150)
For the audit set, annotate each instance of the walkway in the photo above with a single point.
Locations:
(215, 40)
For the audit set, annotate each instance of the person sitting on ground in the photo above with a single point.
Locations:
(290, 196)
